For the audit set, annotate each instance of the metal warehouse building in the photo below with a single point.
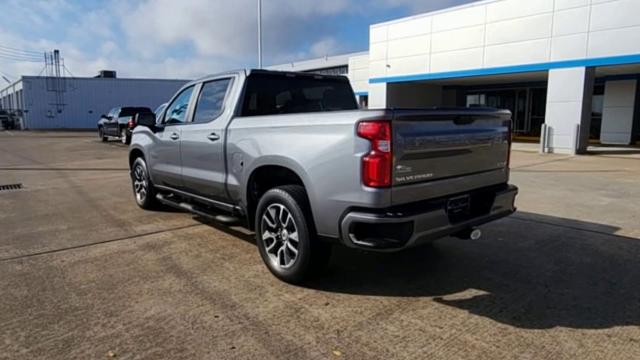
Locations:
(77, 103)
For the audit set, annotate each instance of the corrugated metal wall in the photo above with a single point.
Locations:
(85, 99)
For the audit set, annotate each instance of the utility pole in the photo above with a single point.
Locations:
(260, 34)
(55, 82)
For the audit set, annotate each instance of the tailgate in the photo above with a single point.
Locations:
(435, 144)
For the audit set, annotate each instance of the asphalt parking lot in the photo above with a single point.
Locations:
(86, 274)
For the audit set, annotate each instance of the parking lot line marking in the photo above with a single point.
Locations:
(98, 243)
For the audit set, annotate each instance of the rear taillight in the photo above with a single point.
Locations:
(376, 165)
(131, 123)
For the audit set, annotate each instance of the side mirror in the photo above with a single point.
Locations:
(103, 116)
(146, 119)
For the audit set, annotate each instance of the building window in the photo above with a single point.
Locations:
(597, 106)
(363, 101)
(476, 100)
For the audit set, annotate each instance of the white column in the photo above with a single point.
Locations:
(568, 114)
(618, 112)
(378, 96)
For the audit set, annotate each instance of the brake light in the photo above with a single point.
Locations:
(131, 123)
(376, 165)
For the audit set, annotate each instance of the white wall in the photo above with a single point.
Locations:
(495, 33)
(618, 112)
(377, 96)
(359, 73)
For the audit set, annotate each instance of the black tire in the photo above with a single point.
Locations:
(101, 134)
(125, 137)
(140, 178)
(312, 254)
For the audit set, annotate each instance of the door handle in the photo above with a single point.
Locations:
(213, 136)
(174, 136)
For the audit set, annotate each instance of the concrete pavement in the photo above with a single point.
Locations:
(85, 273)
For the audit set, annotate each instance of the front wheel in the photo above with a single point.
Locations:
(143, 190)
(286, 237)
(101, 134)
(125, 138)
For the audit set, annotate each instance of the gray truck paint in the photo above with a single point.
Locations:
(323, 149)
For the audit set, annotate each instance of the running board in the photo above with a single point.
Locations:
(225, 219)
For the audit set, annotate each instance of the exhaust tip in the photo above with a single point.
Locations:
(475, 234)
(469, 234)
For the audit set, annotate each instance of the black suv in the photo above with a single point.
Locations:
(120, 122)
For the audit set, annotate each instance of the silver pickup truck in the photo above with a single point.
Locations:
(292, 157)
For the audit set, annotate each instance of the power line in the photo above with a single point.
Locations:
(19, 58)
(18, 53)
(9, 58)
(15, 53)
(2, 51)
(8, 48)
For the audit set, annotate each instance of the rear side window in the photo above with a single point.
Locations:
(268, 94)
(211, 100)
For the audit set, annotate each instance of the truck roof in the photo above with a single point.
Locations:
(274, 72)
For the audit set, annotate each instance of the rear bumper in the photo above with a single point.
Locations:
(419, 223)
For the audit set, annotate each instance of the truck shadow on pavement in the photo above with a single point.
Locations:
(530, 271)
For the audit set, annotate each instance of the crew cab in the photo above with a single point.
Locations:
(290, 156)
(119, 122)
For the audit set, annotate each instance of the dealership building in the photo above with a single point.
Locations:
(46, 102)
(567, 69)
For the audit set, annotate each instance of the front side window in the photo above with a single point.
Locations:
(211, 100)
(177, 111)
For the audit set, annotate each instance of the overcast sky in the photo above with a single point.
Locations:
(189, 38)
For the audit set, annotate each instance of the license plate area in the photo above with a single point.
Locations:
(459, 207)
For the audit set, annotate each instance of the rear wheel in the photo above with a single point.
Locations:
(101, 134)
(143, 190)
(286, 237)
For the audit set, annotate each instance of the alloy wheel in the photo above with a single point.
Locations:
(280, 236)
(140, 183)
